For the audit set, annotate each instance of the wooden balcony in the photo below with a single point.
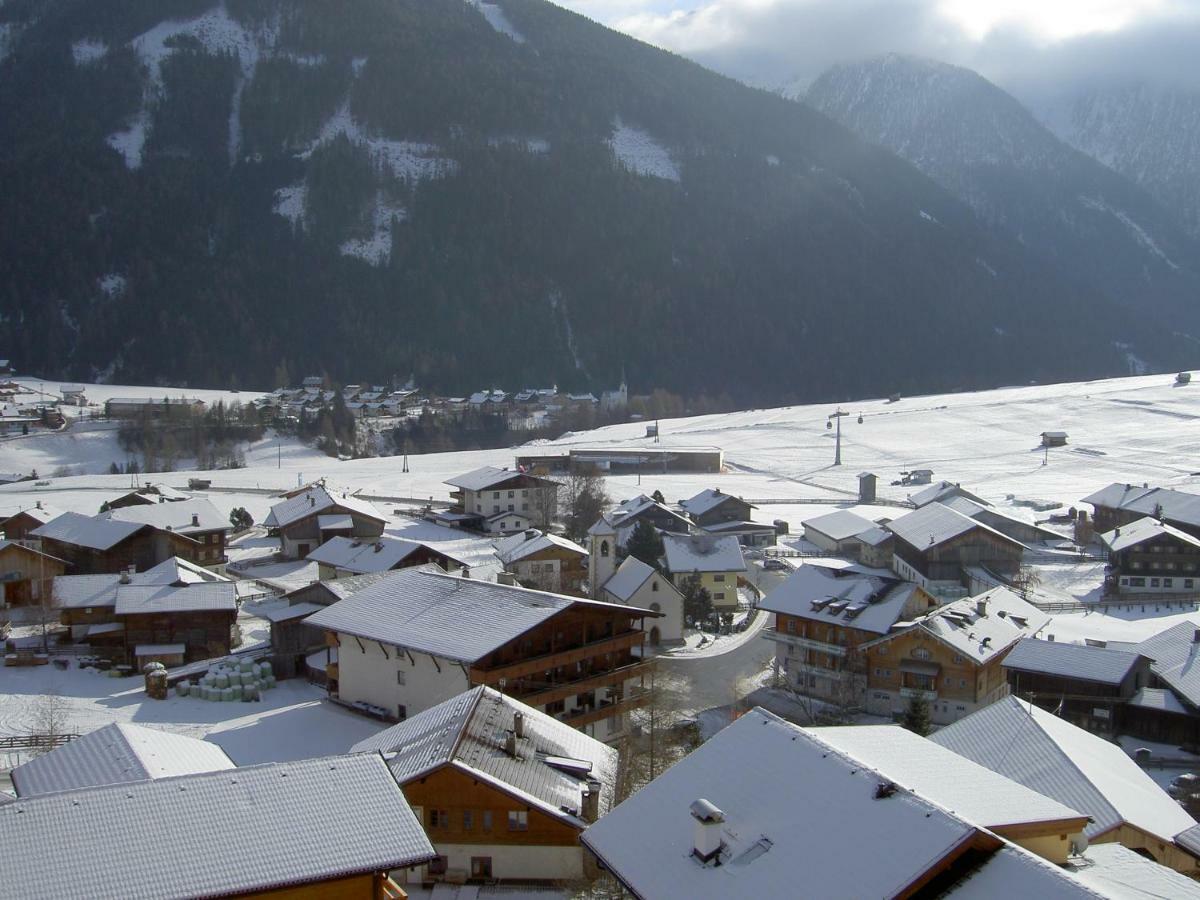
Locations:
(634, 700)
(795, 640)
(563, 690)
(550, 661)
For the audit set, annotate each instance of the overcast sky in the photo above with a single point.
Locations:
(1031, 47)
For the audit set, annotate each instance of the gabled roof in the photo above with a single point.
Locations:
(182, 516)
(1143, 530)
(488, 476)
(531, 545)
(1055, 758)
(937, 493)
(1076, 661)
(141, 599)
(93, 532)
(114, 754)
(976, 793)
(1015, 872)
(840, 525)
(43, 514)
(775, 842)
(82, 591)
(22, 548)
(839, 596)
(363, 557)
(706, 500)
(703, 553)
(296, 822)
(935, 524)
(178, 572)
(554, 761)
(1116, 871)
(980, 637)
(1174, 506)
(1176, 659)
(426, 610)
(314, 500)
(993, 517)
(628, 579)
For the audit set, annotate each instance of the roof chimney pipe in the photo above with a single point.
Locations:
(981, 606)
(519, 724)
(195, 519)
(510, 744)
(589, 807)
(706, 841)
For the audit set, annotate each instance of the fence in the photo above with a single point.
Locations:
(35, 741)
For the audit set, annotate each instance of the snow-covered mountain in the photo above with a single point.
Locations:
(979, 142)
(1148, 133)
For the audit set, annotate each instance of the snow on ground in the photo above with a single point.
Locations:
(411, 161)
(292, 721)
(376, 249)
(498, 20)
(289, 202)
(1070, 580)
(640, 153)
(88, 51)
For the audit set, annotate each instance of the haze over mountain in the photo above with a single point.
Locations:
(487, 194)
(980, 143)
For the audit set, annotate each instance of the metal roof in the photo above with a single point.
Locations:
(840, 525)
(630, 575)
(315, 500)
(708, 499)
(1098, 664)
(462, 619)
(980, 637)
(483, 478)
(181, 516)
(114, 754)
(93, 532)
(935, 524)
(1175, 654)
(141, 599)
(1164, 503)
(940, 491)
(530, 546)
(809, 593)
(217, 833)
(470, 732)
(1060, 760)
(1143, 530)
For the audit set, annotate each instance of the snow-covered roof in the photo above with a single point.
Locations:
(935, 524)
(980, 636)
(142, 599)
(469, 732)
(840, 525)
(456, 618)
(1160, 699)
(183, 516)
(335, 522)
(1058, 759)
(81, 591)
(363, 557)
(483, 478)
(291, 613)
(846, 597)
(954, 782)
(707, 499)
(294, 822)
(93, 532)
(1015, 872)
(523, 549)
(1175, 506)
(874, 537)
(116, 753)
(737, 527)
(629, 577)
(43, 513)
(177, 571)
(1076, 661)
(1176, 659)
(703, 553)
(937, 493)
(1143, 530)
(315, 500)
(775, 842)
(1116, 871)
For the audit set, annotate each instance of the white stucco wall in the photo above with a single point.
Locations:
(670, 601)
(518, 862)
(371, 677)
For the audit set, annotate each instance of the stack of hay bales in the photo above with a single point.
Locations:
(229, 680)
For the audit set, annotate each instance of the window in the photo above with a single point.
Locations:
(524, 507)
(1137, 582)
(555, 708)
(718, 578)
(477, 508)
(654, 607)
(791, 626)
(949, 681)
(399, 676)
(439, 818)
(496, 508)
(962, 682)
(1153, 582)
(495, 495)
(510, 508)
(468, 820)
(437, 865)
(487, 820)
(481, 867)
(1168, 582)
(511, 494)
(604, 548)
(654, 586)
(958, 659)
(921, 653)
(719, 595)
(518, 820)
(1188, 583)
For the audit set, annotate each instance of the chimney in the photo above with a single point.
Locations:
(125, 576)
(519, 724)
(706, 840)
(312, 501)
(981, 606)
(1196, 636)
(38, 505)
(589, 807)
(195, 519)
(506, 578)
(510, 744)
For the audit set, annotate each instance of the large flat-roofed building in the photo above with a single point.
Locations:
(662, 460)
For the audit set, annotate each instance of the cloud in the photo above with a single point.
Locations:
(1025, 45)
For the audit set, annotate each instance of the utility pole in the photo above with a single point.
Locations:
(837, 453)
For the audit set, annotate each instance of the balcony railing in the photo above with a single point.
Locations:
(911, 693)
(565, 657)
(774, 634)
(635, 699)
(550, 692)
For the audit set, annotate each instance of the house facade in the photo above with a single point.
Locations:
(716, 561)
(637, 584)
(490, 493)
(26, 575)
(196, 519)
(98, 545)
(935, 546)
(712, 507)
(1148, 557)
(314, 515)
(546, 562)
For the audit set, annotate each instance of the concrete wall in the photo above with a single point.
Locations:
(371, 677)
(670, 603)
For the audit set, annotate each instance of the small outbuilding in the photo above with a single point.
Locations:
(1054, 439)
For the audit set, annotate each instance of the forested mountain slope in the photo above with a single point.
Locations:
(484, 194)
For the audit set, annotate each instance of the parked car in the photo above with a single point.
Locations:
(773, 564)
(1184, 785)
